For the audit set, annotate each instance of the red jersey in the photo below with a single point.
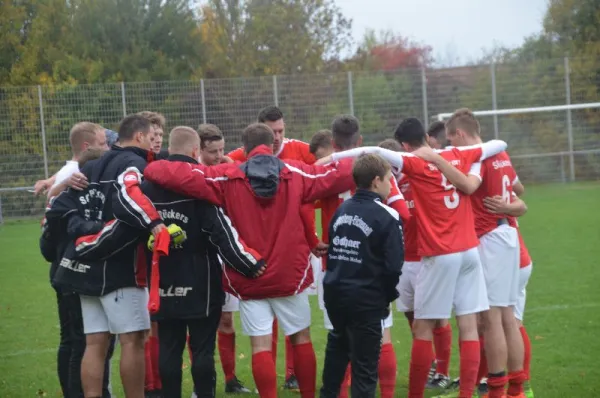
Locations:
(497, 175)
(329, 206)
(445, 222)
(445, 216)
(289, 149)
(525, 258)
(411, 249)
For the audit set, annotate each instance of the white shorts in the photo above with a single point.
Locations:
(447, 281)
(232, 303)
(406, 286)
(519, 308)
(122, 311)
(292, 313)
(386, 323)
(316, 267)
(499, 253)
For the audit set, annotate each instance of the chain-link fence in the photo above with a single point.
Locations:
(545, 146)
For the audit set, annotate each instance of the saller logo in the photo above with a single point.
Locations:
(174, 291)
(74, 265)
(345, 242)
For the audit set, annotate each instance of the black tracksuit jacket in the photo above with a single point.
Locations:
(113, 197)
(365, 256)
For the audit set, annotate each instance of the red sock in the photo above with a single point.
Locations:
(496, 385)
(154, 348)
(483, 367)
(346, 383)
(420, 362)
(226, 343)
(274, 342)
(442, 341)
(527, 359)
(263, 370)
(289, 358)
(148, 376)
(515, 383)
(305, 365)
(469, 365)
(387, 371)
(189, 347)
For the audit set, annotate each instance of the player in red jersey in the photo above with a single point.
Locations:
(285, 148)
(499, 253)
(346, 135)
(513, 210)
(451, 273)
(442, 334)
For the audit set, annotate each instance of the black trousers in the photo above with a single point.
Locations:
(72, 347)
(356, 339)
(172, 335)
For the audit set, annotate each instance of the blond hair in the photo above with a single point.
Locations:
(183, 140)
(464, 120)
(81, 133)
(155, 118)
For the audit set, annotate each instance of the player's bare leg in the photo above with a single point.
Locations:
(263, 366)
(387, 366)
(496, 351)
(514, 342)
(305, 362)
(92, 364)
(132, 363)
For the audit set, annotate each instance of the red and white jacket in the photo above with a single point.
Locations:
(263, 197)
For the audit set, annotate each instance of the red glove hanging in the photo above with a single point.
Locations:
(161, 248)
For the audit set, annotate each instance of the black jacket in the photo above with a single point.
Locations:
(365, 256)
(61, 224)
(114, 193)
(190, 276)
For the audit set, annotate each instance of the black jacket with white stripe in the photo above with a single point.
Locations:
(190, 276)
(365, 256)
(114, 193)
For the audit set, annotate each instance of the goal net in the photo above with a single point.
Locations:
(547, 144)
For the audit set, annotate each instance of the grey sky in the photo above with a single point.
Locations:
(458, 30)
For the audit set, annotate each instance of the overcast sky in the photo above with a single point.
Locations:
(458, 30)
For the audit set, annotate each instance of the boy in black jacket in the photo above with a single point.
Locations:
(364, 263)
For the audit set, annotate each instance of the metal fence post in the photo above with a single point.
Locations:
(424, 95)
(123, 99)
(494, 100)
(350, 93)
(569, 120)
(43, 126)
(275, 91)
(203, 101)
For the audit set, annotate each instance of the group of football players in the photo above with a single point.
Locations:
(236, 232)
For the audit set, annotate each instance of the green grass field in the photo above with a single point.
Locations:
(562, 231)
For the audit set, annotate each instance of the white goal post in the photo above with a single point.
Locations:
(513, 111)
(555, 108)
